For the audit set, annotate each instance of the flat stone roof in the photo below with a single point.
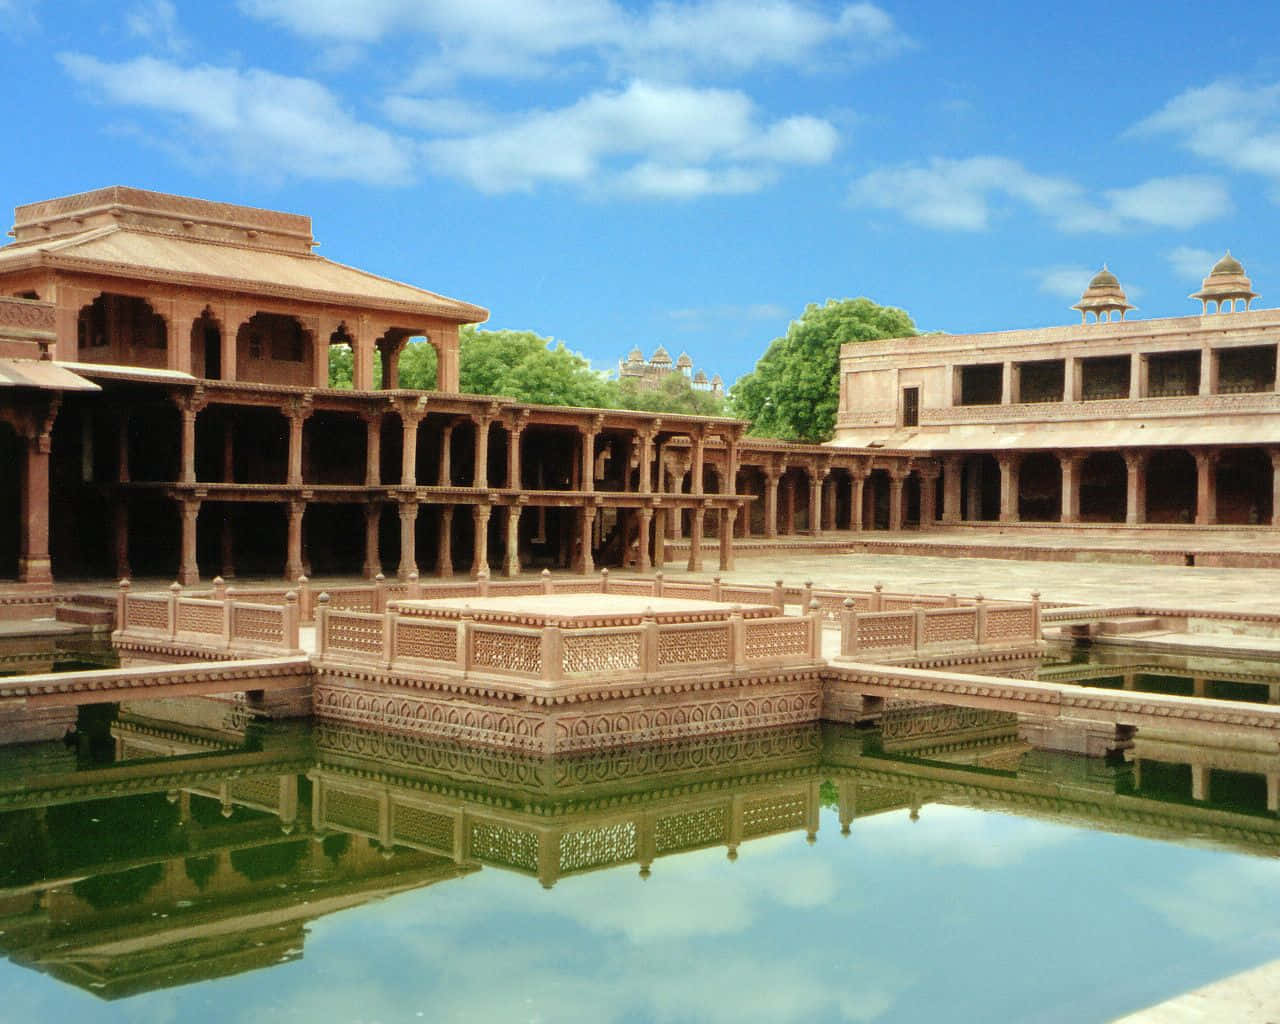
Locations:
(577, 611)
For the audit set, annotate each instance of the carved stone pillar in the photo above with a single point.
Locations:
(444, 549)
(953, 473)
(293, 567)
(480, 559)
(188, 408)
(726, 539)
(372, 520)
(298, 413)
(480, 461)
(410, 417)
(1070, 463)
(1136, 487)
(643, 561)
(511, 557)
(372, 448)
(698, 459)
(1009, 463)
(816, 476)
(1206, 487)
(1275, 486)
(858, 483)
(829, 493)
(515, 429)
(586, 529)
(188, 569)
(660, 518)
(408, 539)
(732, 464)
(646, 461)
(34, 565)
(445, 478)
(695, 539)
(897, 477)
(789, 506)
(928, 495)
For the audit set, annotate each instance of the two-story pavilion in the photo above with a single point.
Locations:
(1164, 421)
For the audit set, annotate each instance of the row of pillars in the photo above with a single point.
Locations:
(653, 527)
(780, 497)
(1206, 460)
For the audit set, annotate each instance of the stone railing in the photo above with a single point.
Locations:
(979, 622)
(409, 639)
(226, 623)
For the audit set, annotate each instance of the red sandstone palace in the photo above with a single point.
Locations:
(165, 411)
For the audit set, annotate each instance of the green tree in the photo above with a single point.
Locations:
(794, 390)
(674, 394)
(340, 366)
(529, 368)
(418, 366)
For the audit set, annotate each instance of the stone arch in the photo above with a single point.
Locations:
(122, 329)
(1171, 486)
(206, 345)
(274, 348)
(1040, 488)
(341, 357)
(1244, 486)
(1104, 481)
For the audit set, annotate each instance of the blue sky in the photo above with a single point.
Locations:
(686, 173)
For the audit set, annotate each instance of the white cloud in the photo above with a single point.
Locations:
(1178, 202)
(257, 121)
(646, 140)
(514, 38)
(702, 315)
(445, 114)
(18, 16)
(1190, 262)
(156, 22)
(949, 836)
(1225, 122)
(968, 194)
(1065, 282)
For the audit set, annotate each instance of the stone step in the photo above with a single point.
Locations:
(1136, 624)
(85, 615)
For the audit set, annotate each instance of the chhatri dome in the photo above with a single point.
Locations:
(635, 355)
(660, 357)
(1103, 298)
(1225, 286)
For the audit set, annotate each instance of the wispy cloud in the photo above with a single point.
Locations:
(18, 17)
(258, 121)
(534, 37)
(696, 317)
(969, 194)
(1064, 282)
(1226, 122)
(156, 23)
(647, 139)
(1190, 262)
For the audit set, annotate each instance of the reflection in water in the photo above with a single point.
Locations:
(198, 844)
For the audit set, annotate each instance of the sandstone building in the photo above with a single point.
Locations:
(1164, 421)
(165, 411)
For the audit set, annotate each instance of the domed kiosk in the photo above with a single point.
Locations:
(1104, 298)
(1225, 286)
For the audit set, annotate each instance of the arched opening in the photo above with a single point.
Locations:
(272, 348)
(122, 330)
(1104, 482)
(1040, 488)
(341, 354)
(980, 489)
(11, 457)
(1244, 486)
(1171, 487)
(418, 364)
(206, 346)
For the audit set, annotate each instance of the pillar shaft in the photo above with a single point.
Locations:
(896, 480)
(588, 460)
(587, 522)
(409, 450)
(698, 460)
(444, 549)
(293, 556)
(408, 539)
(1206, 488)
(297, 418)
(373, 450)
(951, 490)
(480, 472)
(771, 505)
(815, 503)
(188, 569)
(511, 557)
(187, 474)
(928, 498)
(480, 558)
(857, 485)
(1135, 487)
(643, 562)
(513, 458)
(726, 538)
(695, 539)
(1070, 464)
(34, 565)
(660, 537)
(372, 519)
(1008, 488)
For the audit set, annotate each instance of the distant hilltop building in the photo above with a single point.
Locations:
(648, 376)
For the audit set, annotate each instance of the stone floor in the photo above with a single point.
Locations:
(1252, 997)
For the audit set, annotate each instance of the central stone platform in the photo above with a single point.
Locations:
(581, 611)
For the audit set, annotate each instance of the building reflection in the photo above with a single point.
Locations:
(200, 844)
